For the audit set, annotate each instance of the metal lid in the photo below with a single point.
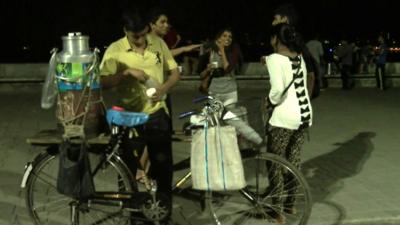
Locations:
(75, 42)
(75, 48)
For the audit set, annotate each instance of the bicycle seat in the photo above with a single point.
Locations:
(121, 117)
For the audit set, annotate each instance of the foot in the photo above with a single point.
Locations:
(291, 211)
(288, 207)
(279, 219)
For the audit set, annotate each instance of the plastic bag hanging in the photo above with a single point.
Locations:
(49, 90)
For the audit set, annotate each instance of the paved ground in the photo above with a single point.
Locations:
(351, 160)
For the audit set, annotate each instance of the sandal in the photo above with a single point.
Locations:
(291, 211)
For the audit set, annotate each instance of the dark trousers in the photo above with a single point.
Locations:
(168, 102)
(347, 81)
(380, 76)
(156, 135)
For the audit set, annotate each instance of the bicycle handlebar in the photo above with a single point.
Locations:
(213, 105)
(186, 114)
(201, 98)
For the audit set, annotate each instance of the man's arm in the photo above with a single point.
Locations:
(187, 48)
(310, 66)
(114, 80)
(321, 51)
(111, 81)
(310, 83)
(173, 78)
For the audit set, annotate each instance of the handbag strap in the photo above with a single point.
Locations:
(290, 84)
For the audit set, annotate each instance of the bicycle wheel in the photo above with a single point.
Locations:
(47, 206)
(262, 201)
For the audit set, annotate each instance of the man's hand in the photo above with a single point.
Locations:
(158, 96)
(140, 75)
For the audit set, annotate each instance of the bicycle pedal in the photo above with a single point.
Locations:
(138, 199)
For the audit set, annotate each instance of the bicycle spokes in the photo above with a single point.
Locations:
(275, 192)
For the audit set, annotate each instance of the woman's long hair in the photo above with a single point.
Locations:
(233, 52)
(288, 36)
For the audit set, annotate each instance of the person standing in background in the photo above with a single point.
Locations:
(217, 68)
(172, 38)
(317, 52)
(344, 53)
(160, 26)
(366, 55)
(380, 63)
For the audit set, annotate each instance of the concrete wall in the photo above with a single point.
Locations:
(23, 71)
(253, 70)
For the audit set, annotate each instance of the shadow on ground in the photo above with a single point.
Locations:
(325, 173)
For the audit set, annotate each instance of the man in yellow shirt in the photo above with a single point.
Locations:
(129, 64)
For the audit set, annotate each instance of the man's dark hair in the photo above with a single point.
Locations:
(289, 11)
(134, 21)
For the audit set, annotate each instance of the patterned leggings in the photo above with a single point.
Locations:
(285, 143)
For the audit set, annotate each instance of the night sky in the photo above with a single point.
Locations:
(39, 26)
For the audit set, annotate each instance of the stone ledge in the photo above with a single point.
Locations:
(253, 71)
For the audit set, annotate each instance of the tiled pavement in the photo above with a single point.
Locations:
(351, 160)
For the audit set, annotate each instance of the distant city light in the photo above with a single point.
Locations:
(395, 49)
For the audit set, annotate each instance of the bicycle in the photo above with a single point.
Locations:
(118, 199)
(254, 204)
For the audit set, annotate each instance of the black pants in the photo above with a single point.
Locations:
(156, 135)
(168, 102)
(347, 81)
(380, 76)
